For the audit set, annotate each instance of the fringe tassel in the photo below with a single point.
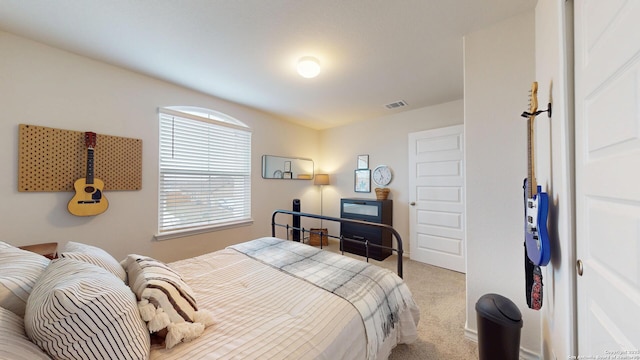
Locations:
(204, 317)
(159, 321)
(147, 310)
(185, 331)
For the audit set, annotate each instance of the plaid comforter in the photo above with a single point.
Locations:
(378, 294)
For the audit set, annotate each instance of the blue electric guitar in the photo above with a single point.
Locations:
(536, 202)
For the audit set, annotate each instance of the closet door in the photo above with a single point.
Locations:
(607, 76)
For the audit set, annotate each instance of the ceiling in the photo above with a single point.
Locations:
(372, 52)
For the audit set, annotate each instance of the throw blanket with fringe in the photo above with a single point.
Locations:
(378, 294)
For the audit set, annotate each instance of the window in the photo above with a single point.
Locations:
(205, 172)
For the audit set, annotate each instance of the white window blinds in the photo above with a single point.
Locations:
(205, 173)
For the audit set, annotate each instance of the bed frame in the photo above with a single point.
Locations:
(298, 215)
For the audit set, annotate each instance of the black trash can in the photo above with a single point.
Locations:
(499, 325)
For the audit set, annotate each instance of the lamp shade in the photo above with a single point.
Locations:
(321, 179)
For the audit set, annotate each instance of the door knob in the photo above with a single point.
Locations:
(413, 203)
(579, 267)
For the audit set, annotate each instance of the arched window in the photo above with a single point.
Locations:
(205, 171)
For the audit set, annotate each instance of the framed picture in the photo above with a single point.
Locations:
(287, 175)
(362, 180)
(363, 162)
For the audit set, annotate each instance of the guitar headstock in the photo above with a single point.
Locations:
(533, 101)
(90, 139)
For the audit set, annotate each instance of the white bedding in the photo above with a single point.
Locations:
(261, 313)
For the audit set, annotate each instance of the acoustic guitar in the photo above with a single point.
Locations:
(89, 199)
(536, 202)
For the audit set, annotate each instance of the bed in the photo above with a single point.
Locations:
(268, 298)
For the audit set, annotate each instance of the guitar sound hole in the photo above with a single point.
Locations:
(89, 189)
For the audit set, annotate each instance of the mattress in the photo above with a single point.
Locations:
(261, 312)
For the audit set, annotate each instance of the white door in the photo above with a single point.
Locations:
(436, 195)
(607, 91)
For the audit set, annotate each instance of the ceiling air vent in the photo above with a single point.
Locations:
(395, 105)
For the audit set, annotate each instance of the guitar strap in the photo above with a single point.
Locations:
(533, 287)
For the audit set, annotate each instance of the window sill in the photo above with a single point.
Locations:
(190, 232)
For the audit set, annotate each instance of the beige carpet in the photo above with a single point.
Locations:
(440, 294)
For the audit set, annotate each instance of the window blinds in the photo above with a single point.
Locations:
(205, 174)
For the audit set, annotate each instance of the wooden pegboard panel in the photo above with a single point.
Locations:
(53, 159)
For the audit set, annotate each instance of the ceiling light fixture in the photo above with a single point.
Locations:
(308, 67)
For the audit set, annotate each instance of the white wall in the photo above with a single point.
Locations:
(44, 86)
(386, 141)
(499, 69)
(554, 61)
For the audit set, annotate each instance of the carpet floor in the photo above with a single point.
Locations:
(441, 296)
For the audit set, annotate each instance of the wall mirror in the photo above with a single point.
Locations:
(282, 167)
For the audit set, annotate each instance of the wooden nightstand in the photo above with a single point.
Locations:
(48, 250)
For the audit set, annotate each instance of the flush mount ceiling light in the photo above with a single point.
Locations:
(308, 67)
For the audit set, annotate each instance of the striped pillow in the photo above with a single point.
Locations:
(19, 270)
(94, 255)
(165, 300)
(156, 282)
(15, 343)
(81, 311)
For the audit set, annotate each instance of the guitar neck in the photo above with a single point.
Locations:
(89, 174)
(531, 176)
(532, 186)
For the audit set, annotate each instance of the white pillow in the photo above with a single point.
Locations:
(15, 344)
(4, 245)
(81, 311)
(19, 270)
(94, 255)
(165, 300)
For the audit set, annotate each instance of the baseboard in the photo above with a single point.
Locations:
(470, 334)
(525, 354)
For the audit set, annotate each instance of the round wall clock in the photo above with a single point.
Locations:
(382, 175)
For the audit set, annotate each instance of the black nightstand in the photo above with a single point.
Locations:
(377, 211)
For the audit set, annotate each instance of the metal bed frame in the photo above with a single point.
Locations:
(366, 243)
